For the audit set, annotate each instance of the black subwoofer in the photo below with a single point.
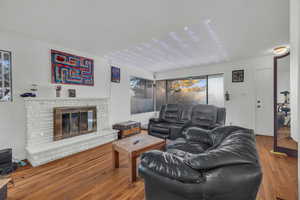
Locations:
(6, 161)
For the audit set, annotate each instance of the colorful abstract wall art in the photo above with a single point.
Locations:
(115, 74)
(71, 69)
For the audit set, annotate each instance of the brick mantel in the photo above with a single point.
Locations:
(40, 146)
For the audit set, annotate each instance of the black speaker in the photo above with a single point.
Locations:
(5, 160)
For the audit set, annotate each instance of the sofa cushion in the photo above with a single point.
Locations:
(204, 115)
(184, 145)
(197, 134)
(237, 146)
(186, 113)
(171, 113)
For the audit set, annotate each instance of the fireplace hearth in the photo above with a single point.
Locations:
(74, 121)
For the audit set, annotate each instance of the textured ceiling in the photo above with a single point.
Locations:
(155, 35)
(193, 45)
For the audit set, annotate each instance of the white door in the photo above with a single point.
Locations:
(264, 101)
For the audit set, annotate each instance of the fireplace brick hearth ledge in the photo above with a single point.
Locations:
(40, 145)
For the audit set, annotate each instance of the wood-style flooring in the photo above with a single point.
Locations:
(89, 176)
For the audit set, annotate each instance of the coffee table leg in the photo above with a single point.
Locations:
(115, 159)
(132, 169)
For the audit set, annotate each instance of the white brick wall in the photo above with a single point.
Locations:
(39, 140)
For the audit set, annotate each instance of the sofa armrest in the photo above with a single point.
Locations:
(175, 132)
(154, 120)
(171, 166)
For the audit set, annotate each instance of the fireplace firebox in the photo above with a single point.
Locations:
(74, 121)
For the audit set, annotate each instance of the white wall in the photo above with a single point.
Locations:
(31, 65)
(295, 63)
(295, 73)
(241, 107)
(120, 96)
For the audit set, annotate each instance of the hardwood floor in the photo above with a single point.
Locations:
(89, 176)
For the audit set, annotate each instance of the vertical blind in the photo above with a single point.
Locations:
(141, 92)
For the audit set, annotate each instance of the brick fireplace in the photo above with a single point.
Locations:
(85, 118)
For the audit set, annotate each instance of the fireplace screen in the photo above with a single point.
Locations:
(73, 121)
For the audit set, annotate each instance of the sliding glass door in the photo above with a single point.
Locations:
(196, 90)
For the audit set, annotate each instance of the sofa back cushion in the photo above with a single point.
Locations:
(233, 145)
(204, 115)
(171, 113)
(186, 113)
(162, 111)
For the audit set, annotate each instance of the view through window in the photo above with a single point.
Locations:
(141, 91)
(197, 90)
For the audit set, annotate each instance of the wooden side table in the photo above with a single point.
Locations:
(127, 128)
(134, 149)
(3, 188)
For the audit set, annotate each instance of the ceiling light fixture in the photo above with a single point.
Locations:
(281, 50)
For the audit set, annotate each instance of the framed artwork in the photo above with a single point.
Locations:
(115, 74)
(5, 76)
(71, 69)
(72, 92)
(238, 76)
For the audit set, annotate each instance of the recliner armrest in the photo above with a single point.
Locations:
(154, 120)
(175, 132)
(171, 166)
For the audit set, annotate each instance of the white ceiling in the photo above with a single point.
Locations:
(156, 35)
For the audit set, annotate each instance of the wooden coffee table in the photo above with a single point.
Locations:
(134, 150)
(3, 188)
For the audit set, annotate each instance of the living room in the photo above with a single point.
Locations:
(89, 90)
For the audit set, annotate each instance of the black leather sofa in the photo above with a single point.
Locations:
(221, 164)
(173, 117)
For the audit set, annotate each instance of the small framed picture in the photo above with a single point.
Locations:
(72, 93)
(115, 74)
(238, 76)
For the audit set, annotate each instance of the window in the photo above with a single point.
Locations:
(197, 90)
(141, 91)
(5, 76)
(187, 91)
